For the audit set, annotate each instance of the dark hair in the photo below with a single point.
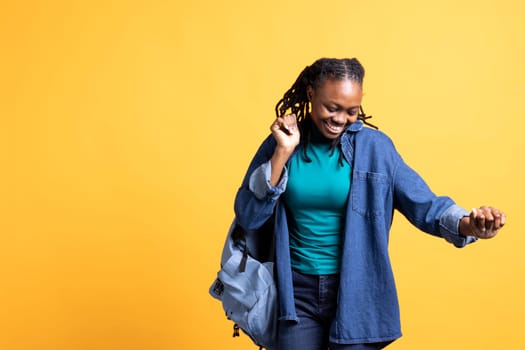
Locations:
(296, 98)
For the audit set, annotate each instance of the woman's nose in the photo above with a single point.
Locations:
(340, 118)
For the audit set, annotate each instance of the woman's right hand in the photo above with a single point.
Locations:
(286, 132)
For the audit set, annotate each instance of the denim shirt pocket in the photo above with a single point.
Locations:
(369, 192)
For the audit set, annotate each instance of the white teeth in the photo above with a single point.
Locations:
(334, 128)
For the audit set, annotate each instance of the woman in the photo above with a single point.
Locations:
(332, 185)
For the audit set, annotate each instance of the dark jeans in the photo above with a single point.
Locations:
(315, 303)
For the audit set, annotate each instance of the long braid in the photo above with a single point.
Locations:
(296, 98)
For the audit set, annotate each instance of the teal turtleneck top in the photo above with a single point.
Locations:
(316, 197)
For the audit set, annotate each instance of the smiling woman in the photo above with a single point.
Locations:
(333, 186)
(126, 127)
(335, 106)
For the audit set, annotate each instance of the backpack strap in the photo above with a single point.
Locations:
(242, 265)
(239, 237)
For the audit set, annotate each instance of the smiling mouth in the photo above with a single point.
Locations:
(335, 128)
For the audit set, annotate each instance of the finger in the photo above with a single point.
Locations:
(290, 122)
(489, 218)
(277, 124)
(285, 125)
(286, 122)
(472, 221)
(497, 218)
(474, 224)
(497, 222)
(503, 219)
(291, 118)
(479, 221)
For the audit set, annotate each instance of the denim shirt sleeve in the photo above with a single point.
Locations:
(437, 215)
(449, 226)
(259, 182)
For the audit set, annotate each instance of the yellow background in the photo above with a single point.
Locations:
(126, 128)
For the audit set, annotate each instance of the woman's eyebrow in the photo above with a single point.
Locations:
(338, 105)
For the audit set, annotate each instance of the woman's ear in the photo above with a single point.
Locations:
(309, 92)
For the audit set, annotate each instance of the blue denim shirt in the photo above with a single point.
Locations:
(368, 309)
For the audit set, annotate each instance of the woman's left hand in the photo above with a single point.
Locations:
(483, 222)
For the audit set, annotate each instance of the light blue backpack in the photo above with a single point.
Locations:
(245, 283)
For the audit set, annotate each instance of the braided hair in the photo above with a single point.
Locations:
(296, 98)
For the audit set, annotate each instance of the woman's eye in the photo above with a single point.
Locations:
(330, 109)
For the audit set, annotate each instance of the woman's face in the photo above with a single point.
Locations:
(335, 105)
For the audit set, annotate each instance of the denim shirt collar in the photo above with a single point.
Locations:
(347, 140)
(354, 127)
